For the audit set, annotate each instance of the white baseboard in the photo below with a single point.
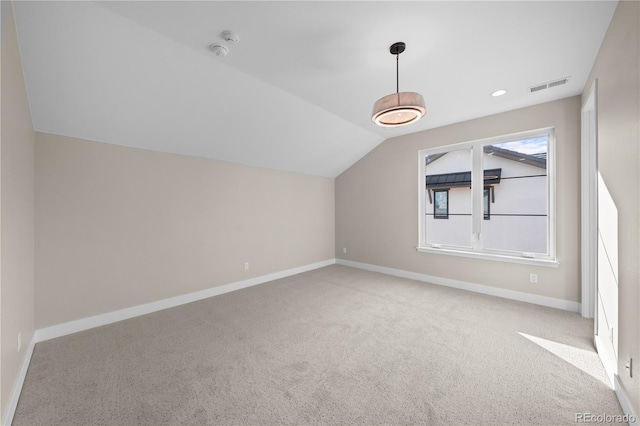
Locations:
(123, 314)
(462, 285)
(625, 402)
(22, 374)
(135, 311)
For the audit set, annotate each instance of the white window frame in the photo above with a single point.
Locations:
(477, 184)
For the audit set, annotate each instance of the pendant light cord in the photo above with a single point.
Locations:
(397, 73)
(398, 77)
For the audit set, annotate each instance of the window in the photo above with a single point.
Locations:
(441, 204)
(498, 197)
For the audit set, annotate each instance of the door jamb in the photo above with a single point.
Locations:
(589, 205)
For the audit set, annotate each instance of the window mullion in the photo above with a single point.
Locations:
(477, 187)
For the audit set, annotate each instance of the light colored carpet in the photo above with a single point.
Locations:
(332, 346)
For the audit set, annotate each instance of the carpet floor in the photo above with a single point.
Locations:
(335, 345)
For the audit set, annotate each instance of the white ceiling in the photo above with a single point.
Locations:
(296, 92)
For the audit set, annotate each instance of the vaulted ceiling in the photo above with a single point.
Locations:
(296, 92)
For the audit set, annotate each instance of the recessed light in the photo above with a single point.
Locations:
(498, 93)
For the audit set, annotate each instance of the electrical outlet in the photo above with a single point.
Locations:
(19, 341)
(533, 278)
(629, 365)
(344, 250)
(246, 266)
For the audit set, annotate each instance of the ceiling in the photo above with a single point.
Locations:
(296, 92)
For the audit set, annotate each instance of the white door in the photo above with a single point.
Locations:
(607, 284)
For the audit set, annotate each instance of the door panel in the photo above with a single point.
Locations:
(607, 295)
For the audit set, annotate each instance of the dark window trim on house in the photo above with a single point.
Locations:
(449, 180)
(435, 214)
(488, 190)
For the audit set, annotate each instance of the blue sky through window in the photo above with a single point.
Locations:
(530, 146)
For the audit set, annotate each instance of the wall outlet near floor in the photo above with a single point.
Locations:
(629, 365)
(533, 278)
(19, 341)
(246, 266)
(344, 250)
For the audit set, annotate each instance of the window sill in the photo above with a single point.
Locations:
(491, 256)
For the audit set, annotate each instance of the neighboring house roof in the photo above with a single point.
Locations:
(541, 155)
(536, 160)
(433, 157)
(450, 180)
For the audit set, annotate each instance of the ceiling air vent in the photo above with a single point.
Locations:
(558, 82)
(549, 85)
(536, 88)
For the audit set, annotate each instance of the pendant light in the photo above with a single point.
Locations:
(400, 108)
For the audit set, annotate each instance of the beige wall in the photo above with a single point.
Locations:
(16, 214)
(377, 204)
(118, 227)
(617, 70)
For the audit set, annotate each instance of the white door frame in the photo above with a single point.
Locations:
(589, 192)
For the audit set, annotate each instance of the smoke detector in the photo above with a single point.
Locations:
(219, 49)
(230, 37)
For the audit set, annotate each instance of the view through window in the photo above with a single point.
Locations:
(489, 196)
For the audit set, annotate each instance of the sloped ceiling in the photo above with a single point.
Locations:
(296, 92)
